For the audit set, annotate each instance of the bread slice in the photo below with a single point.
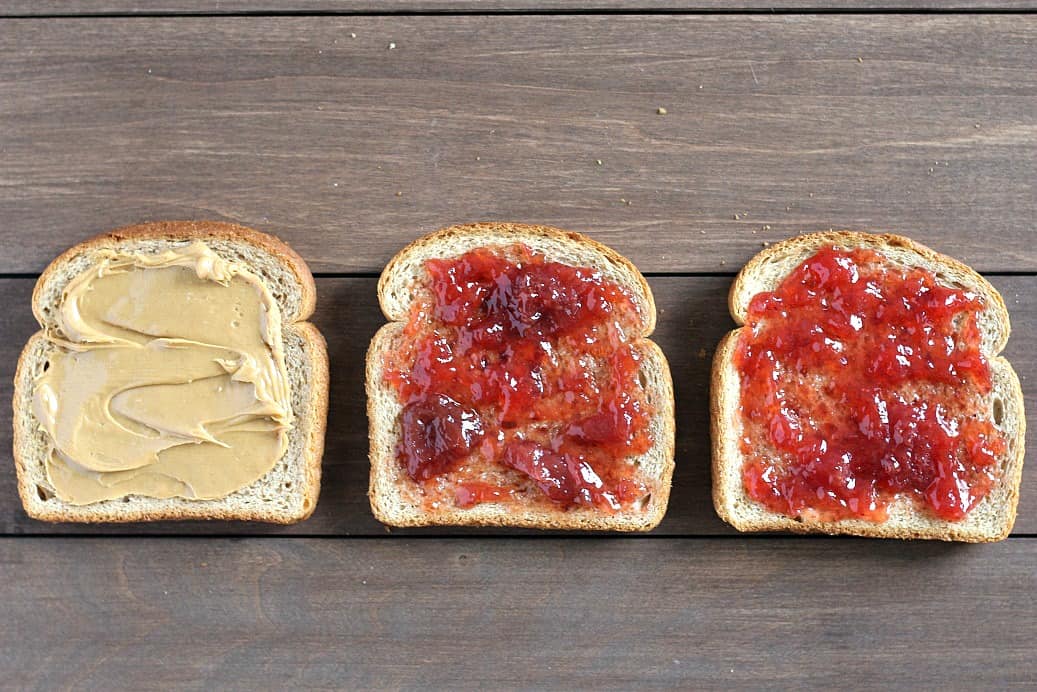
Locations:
(288, 492)
(396, 499)
(990, 520)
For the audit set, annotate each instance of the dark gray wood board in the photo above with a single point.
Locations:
(775, 124)
(489, 614)
(34, 8)
(692, 318)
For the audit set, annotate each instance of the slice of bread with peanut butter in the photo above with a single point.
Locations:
(174, 377)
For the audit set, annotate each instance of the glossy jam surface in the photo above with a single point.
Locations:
(520, 383)
(866, 382)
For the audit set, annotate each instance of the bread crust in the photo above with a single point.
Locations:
(725, 397)
(312, 340)
(385, 476)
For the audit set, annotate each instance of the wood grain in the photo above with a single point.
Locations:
(476, 614)
(926, 125)
(36, 8)
(692, 318)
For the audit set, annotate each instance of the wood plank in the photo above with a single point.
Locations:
(693, 317)
(35, 8)
(776, 124)
(576, 614)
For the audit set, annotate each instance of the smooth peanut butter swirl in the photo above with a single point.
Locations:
(168, 379)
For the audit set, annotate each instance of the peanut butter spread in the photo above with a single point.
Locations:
(168, 379)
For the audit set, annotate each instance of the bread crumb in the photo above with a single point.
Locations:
(765, 244)
(352, 35)
(702, 353)
(478, 158)
(722, 262)
(392, 46)
(976, 126)
(811, 194)
(736, 217)
(660, 110)
(625, 201)
(860, 59)
(334, 184)
(597, 161)
(399, 193)
(788, 208)
(702, 232)
(766, 227)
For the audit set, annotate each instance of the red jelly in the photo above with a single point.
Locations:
(519, 381)
(866, 382)
(437, 431)
(474, 492)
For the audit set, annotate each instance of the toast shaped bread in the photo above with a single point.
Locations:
(990, 520)
(396, 500)
(288, 492)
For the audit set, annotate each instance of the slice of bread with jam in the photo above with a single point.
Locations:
(515, 385)
(865, 395)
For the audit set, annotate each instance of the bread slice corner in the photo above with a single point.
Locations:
(991, 520)
(286, 494)
(396, 500)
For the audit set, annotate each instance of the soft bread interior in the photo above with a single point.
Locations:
(286, 494)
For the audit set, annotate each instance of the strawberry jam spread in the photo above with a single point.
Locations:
(520, 383)
(866, 382)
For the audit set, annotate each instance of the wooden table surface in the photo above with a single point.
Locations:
(350, 128)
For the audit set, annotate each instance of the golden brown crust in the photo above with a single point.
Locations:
(380, 344)
(320, 381)
(19, 444)
(313, 344)
(718, 428)
(722, 409)
(491, 515)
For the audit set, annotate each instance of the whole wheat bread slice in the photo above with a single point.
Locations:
(288, 492)
(990, 520)
(396, 499)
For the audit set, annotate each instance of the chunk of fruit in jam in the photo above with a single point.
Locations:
(563, 478)
(437, 432)
(868, 382)
(540, 353)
